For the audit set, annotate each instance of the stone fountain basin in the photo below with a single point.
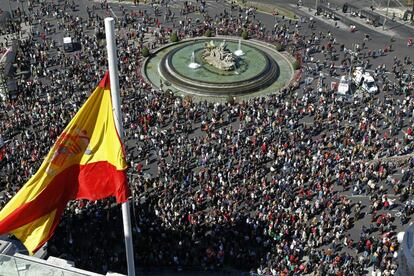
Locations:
(258, 71)
(234, 83)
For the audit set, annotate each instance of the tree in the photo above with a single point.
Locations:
(279, 47)
(208, 33)
(245, 34)
(231, 100)
(145, 52)
(296, 65)
(174, 37)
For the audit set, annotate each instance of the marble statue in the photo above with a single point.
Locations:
(219, 56)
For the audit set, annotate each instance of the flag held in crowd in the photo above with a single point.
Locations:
(86, 162)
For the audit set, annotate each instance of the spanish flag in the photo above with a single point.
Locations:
(86, 162)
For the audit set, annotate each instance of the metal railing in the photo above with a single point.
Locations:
(15, 266)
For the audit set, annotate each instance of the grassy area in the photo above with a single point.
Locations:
(267, 8)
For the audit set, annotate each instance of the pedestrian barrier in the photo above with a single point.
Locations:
(408, 15)
(326, 11)
(373, 18)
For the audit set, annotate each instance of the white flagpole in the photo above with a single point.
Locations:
(116, 105)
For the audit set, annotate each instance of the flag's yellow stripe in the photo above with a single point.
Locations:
(105, 143)
(32, 234)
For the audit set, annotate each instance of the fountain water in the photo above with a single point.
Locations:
(193, 64)
(239, 52)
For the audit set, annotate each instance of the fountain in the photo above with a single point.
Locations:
(193, 64)
(239, 52)
(208, 67)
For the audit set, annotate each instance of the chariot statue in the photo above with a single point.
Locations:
(219, 56)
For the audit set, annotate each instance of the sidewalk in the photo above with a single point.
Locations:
(343, 18)
(311, 13)
(362, 21)
(399, 12)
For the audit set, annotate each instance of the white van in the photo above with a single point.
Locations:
(364, 80)
(67, 44)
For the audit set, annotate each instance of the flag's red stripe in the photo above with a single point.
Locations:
(91, 181)
(105, 81)
(102, 180)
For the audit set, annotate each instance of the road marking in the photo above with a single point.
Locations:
(372, 71)
(362, 196)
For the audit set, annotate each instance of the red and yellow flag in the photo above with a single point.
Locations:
(86, 162)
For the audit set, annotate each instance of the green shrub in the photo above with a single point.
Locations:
(279, 47)
(145, 52)
(231, 100)
(296, 65)
(174, 37)
(208, 33)
(245, 34)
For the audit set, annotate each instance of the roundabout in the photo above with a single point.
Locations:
(218, 68)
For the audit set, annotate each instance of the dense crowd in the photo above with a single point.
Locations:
(258, 185)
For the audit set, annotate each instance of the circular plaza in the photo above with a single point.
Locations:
(220, 67)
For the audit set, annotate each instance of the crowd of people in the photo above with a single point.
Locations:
(269, 185)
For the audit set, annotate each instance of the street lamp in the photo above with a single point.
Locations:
(11, 11)
(21, 5)
(386, 15)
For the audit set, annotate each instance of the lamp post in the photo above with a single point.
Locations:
(412, 13)
(11, 11)
(386, 15)
(21, 6)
